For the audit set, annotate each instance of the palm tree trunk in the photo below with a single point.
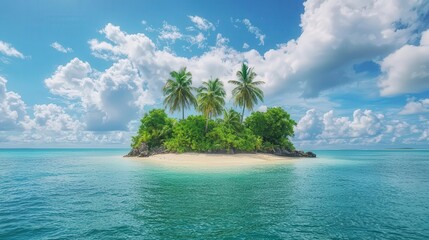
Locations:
(207, 121)
(242, 113)
(183, 113)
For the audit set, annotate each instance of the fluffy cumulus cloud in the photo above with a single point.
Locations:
(309, 126)
(407, 69)
(12, 108)
(363, 124)
(416, 107)
(110, 99)
(51, 118)
(60, 48)
(202, 23)
(338, 34)
(364, 127)
(9, 50)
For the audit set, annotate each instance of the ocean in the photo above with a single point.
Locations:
(97, 194)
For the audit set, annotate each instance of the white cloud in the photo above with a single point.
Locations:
(12, 108)
(255, 30)
(407, 69)
(309, 126)
(8, 50)
(110, 99)
(72, 80)
(424, 136)
(60, 48)
(51, 118)
(202, 23)
(221, 41)
(364, 127)
(344, 33)
(245, 46)
(262, 108)
(121, 44)
(415, 107)
(199, 40)
(170, 32)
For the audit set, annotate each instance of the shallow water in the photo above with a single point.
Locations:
(96, 194)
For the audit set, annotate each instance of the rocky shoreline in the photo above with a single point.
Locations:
(143, 151)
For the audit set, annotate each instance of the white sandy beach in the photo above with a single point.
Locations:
(210, 162)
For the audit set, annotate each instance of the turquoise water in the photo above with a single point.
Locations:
(96, 194)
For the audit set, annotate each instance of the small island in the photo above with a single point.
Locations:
(261, 133)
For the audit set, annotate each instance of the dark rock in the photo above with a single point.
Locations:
(286, 153)
(158, 150)
(311, 154)
(142, 151)
(133, 153)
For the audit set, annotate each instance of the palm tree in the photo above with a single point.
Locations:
(246, 93)
(178, 91)
(211, 98)
(231, 118)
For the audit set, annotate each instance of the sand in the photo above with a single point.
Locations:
(215, 162)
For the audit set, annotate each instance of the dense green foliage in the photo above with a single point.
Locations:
(260, 132)
(189, 135)
(273, 126)
(155, 128)
(231, 118)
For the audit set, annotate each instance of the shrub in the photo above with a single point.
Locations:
(273, 126)
(155, 128)
(189, 135)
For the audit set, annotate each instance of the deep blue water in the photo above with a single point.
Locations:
(96, 194)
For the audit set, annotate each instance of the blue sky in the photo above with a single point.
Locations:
(81, 73)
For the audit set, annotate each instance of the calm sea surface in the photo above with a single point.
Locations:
(96, 194)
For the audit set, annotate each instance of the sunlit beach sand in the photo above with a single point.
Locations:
(215, 162)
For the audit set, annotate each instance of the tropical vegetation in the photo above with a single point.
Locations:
(261, 131)
(246, 93)
(178, 91)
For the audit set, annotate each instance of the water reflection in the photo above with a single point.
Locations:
(184, 205)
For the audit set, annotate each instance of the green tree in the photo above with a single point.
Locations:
(189, 135)
(274, 126)
(246, 93)
(178, 91)
(231, 119)
(154, 129)
(211, 99)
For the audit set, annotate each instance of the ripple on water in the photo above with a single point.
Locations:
(341, 195)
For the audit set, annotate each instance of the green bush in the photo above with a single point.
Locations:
(190, 135)
(224, 137)
(273, 126)
(155, 128)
